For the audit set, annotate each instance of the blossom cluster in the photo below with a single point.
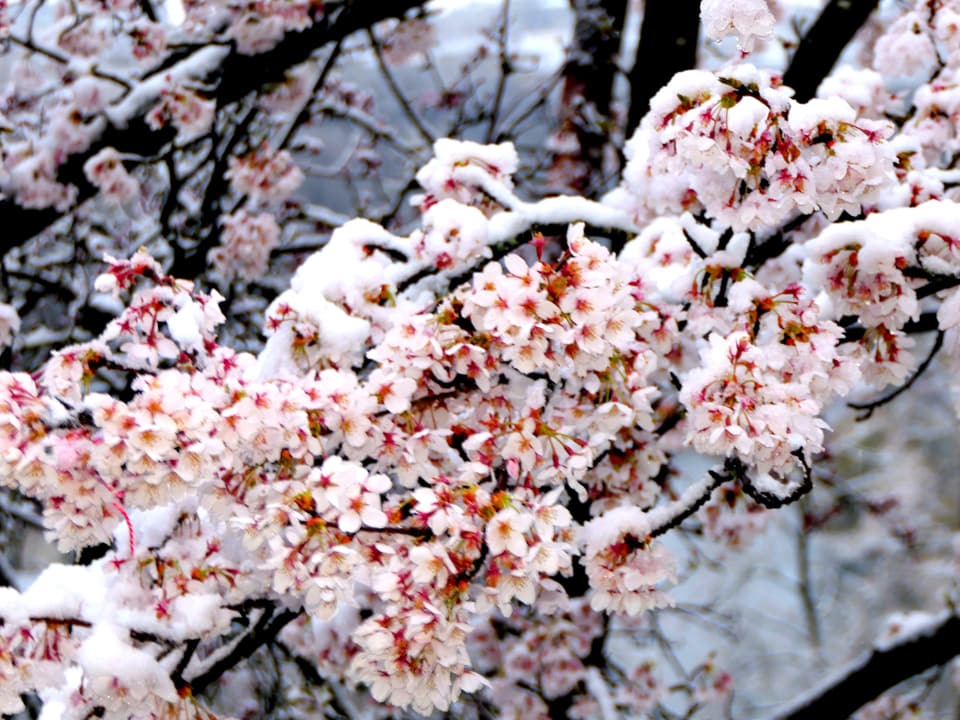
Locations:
(185, 109)
(736, 146)
(106, 171)
(453, 428)
(872, 270)
(263, 177)
(758, 392)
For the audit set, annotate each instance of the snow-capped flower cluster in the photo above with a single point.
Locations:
(920, 42)
(624, 564)
(467, 172)
(452, 233)
(871, 269)
(863, 272)
(149, 39)
(442, 425)
(256, 27)
(863, 89)
(33, 178)
(737, 147)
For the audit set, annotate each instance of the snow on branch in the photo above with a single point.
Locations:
(933, 641)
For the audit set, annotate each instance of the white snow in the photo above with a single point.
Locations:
(147, 93)
(902, 628)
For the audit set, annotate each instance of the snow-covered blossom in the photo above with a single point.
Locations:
(862, 266)
(624, 564)
(749, 20)
(254, 33)
(185, 109)
(862, 88)
(738, 147)
(461, 169)
(906, 48)
(122, 677)
(256, 27)
(149, 39)
(442, 423)
(452, 233)
(33, 179)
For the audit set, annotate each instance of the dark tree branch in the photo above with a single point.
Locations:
(236, 77)
(668, 44)
(773, 501)
(397, 91)
(821, 46)
(773, 246)
(927, 322)
(190, 263)
(694, 498)
(876, 672)
(588, 80)
(267, 628)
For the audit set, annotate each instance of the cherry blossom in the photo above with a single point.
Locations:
(749, 20)
(446, 474)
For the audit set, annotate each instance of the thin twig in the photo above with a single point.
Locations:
(397, 92)
(805, 580)
(505, 70)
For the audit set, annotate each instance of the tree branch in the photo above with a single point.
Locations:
(266, 629)
(667, 517)
(237, 76)
(876, 672)
(668, 44)
(821, 46)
